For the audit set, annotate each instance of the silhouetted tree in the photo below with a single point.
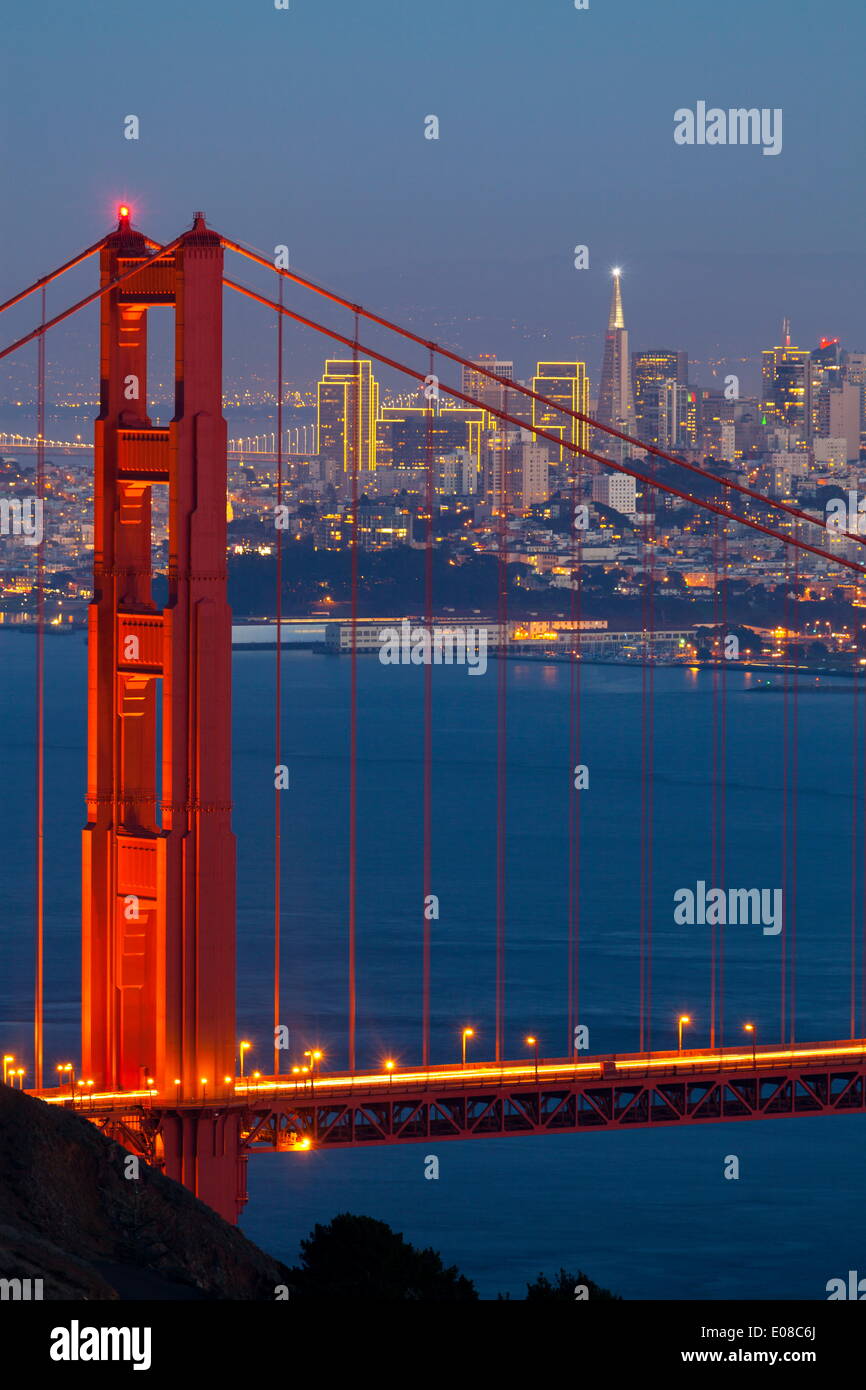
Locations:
(562, 1289)
(358, 1257)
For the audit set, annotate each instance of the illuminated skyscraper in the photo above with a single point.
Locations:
(615, 401)
(485, 391)
(347, 415)
(407, 432)
(565, 384)
(786, 396)
(660, 397)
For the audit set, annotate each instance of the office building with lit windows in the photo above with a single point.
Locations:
(482, 389)
(347, 415)
(566, 386)
(660, 382)
(408, 435)
(786, 395)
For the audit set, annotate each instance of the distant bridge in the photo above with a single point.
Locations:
(300, 442)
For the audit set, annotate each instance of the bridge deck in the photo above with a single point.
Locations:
(455, 1102)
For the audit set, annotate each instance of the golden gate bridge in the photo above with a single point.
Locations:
(159, 1054)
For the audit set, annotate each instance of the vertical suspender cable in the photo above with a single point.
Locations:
(717, 648)
(576, 470)
(855, 781)
(38, 1038)
(428, 731)
(862, 790)
(792, 907)
(355, 395)
(723, 779)
(783, 955)
(650, 784)
(501, 726)
(643, 1044)
(278, 690)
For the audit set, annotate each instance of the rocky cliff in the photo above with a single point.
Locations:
(68, 1216)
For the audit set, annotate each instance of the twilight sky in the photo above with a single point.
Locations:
(306, 127)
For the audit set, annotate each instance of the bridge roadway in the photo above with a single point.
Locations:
(621, 1091)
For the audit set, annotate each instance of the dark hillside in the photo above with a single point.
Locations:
(68, 1216)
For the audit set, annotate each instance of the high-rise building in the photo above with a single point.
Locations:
(347, 415)
(660, 379)
(825, 375)
(718, 426)
(855, 367)
(564, 384)
(617, 490)
(515, 472)
(407, 434)
(854, 370)
(830, 454)
(843, 416)
(691, 423)
(488, 393)
(457, 474)
(786, 395)
(615, 400)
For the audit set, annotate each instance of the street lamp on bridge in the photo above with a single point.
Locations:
(244, 1049)
(750, 1028)
(682, 1022)
(315, 1056)
(533, 1042)
(467, 1033)
(70, 1069)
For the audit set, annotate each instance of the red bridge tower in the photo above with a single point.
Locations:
(158, 968)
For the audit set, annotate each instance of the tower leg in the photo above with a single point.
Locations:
(202, 1150)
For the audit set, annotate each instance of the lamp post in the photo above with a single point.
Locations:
(70, 1069)
(533, 1042)
(750, 1028)
(467, 1033)
(244, 1049)
(683, 1021)
(315, 1056)
(9, 1057)
(389, 1067)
